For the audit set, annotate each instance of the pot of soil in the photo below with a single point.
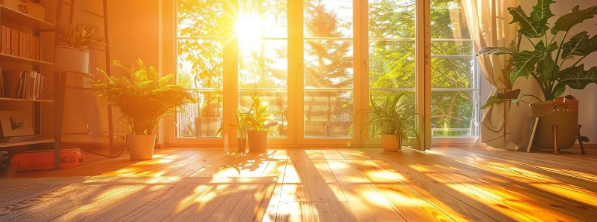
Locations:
(257, 141)
(71, 59)
(390, 143)
(560, 112)
(141, 147)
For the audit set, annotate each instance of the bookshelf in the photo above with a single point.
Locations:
(25, 20)
(26, 100)
(39, 109)
(27, 60)
(34, 142)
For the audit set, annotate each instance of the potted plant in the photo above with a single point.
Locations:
(143, 98)
(73, 52)
(241, 126)
(208, 120)
(546, 62)
(259, 120)
(392, 118)
(256, 122)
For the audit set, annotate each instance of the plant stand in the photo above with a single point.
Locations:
(557, 128)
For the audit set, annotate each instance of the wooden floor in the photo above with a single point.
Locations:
(445, 184)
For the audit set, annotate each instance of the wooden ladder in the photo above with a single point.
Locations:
(60, 77)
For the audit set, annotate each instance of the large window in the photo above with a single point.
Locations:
(200, 68)
(262, 33)
(328, 73)
(392, 55)
(454, 73)
(318, 63)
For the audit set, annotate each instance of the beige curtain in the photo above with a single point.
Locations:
(488, 24)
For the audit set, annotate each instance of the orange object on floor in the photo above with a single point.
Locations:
(44, 160)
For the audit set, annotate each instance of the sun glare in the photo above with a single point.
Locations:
(248, 30)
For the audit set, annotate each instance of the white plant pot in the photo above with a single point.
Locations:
(257, 141)
(390, 143)
(141, 146)
(71, 59)
(207, 126)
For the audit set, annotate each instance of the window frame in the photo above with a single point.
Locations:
(295, 88)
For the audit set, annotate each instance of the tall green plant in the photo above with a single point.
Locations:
(143, 97)
(540, 62)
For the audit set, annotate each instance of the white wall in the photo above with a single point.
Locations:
(587, 97)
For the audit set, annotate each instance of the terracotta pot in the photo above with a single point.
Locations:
(559, 113)
(242, 145)
(390, 143)
(207, 126)
(71, 59)
(257, 141)
(141, 146)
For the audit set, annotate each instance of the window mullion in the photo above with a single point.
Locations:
(295, 68)
(230, 66)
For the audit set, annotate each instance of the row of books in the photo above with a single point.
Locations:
(28, 85)
(21, 44)
(2, 89)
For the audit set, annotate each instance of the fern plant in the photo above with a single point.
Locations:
(546, 67)
(143, 97)
(79, 36)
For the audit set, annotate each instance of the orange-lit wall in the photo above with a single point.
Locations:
(133, 31)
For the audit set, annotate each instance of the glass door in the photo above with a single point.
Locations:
(318, 64)
(262, 33)
(200, 67)
(328, 74)
(392, 60)
(455, 76)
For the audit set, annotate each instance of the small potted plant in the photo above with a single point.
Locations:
(241, 126)
(256, 121)
(143, 98)
(259, 120)
(392, 118)
(546, 63)
(73, 52)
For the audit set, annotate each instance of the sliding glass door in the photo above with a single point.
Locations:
(455, 76)
(318, 63)
(262, 34)
(328, 75)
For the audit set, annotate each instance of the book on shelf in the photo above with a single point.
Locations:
(17, 43)
(14, 42)
(1, 83)
(18, 139)
(24, 85)
(3, 49)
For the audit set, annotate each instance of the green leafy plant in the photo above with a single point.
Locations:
(144, 98)
(256, 117)
(540, 62)
(391, 116)
(79, 36)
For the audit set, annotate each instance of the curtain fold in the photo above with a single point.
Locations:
(488, 22)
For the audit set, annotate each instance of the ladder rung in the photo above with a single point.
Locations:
(92, 13)
(98, 49)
